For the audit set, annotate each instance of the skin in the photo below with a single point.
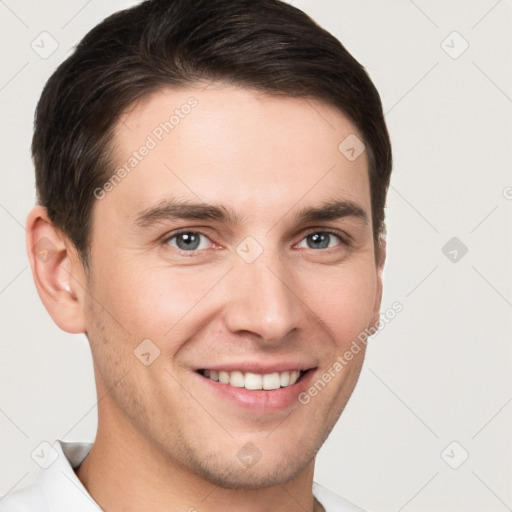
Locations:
(164, 440)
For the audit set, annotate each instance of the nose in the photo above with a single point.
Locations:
(264, 300)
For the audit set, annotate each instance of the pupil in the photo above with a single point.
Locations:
(321, 239)
(190, 241)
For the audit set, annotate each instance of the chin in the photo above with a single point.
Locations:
(232, 474)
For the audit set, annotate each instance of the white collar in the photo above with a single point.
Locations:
(58, 489)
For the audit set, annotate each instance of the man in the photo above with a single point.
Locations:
(211, 179)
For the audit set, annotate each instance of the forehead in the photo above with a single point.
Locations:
(236, 146)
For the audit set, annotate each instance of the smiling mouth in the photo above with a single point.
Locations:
(254, 381)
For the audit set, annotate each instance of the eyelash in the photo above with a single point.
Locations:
(344, 238)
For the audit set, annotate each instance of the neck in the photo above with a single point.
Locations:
(124, 471)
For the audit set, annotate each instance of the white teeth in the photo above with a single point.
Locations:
(294, 376)
(285, 379)
(224, 377)
(254, 381)
(236, 379)
(271, 381)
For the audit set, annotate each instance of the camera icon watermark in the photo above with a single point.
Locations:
(44, 455)
(454, 45)
(146, 352)
(249, 249)
(454, 249)
(249, 455)
(351, 147)
(44, 45)
(45, 249)
(455, 455)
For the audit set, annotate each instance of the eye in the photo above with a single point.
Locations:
(321, 239)
(191, 241)
(187, 241)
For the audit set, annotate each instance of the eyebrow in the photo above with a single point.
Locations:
(332, 211)
(176, 209)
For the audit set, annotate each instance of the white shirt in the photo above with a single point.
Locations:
(58, 489)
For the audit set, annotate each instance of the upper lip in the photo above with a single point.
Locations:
(259, 367)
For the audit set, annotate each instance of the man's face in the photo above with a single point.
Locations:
(265, 293)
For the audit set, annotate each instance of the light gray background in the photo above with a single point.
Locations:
(441, 371)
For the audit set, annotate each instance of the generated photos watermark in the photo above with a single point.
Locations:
(343, 359)
(152, 140)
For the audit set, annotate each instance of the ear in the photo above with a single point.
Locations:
(58, 273)
(380, 260)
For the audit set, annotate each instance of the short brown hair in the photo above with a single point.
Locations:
(266, 45)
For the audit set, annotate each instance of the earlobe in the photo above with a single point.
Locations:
(57, 271)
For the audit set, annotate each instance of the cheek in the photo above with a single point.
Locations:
(155, 300)
(343, 300)
(159, 302)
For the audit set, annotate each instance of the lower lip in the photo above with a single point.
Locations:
(260, 400)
